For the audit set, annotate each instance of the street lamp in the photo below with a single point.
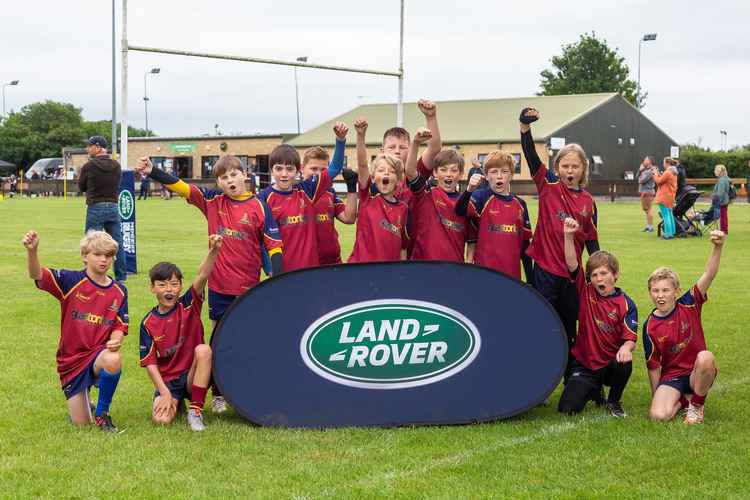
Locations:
(296, 89)
(648, 37)
(11, 83)
(723, 139)
(153, 71)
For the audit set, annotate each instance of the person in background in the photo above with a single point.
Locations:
(647, 190)
(665, 195)
(100, 180)
(681, 175)
(476, 168)
(721, 192)
(145, 187)
(747, 182)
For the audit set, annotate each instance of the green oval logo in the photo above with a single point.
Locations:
(390, 344)
(125, 204)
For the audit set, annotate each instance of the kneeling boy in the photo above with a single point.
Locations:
(678, 362)
(172, 346)
(607, 325)
(94, 310)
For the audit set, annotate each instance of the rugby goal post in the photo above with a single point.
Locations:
(126, 47)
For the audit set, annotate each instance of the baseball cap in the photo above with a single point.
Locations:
(97, 140)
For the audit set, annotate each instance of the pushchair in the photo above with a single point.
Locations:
(685, 224)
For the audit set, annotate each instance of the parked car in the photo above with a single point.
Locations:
(44, 168)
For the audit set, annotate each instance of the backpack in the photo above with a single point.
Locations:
(732, 192)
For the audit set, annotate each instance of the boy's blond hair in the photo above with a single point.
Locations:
(664, 273)
(98, 242)
(720, 170)
(577, 150)
(602, 258)
(391, 161)
(314, 153)
(499, 159)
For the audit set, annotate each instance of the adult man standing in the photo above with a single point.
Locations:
(100, 180)
(647, 190)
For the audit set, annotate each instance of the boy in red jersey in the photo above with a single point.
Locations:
(607, 326)
(329, 206)
(172, 347)
(247, 228)
(439, 232)
(382, 221)
(562, 194)
(502, 218)
(292, 203)
(678, 361)
(396, 142)
(94, 320)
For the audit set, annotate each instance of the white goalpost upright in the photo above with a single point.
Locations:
(126, 47)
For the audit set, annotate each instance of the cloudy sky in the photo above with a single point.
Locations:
(697, 72)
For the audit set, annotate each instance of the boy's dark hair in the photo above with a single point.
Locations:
(397, 132)
(225, 164)
(449, 157)
(284, 154)
(163, 271)
(602, 258)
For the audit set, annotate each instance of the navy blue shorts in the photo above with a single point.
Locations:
(82, 381)
(218, 303)
(178, 387)
(682, 384)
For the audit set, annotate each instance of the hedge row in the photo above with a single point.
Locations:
(701, 163)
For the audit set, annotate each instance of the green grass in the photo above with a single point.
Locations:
(540, 454)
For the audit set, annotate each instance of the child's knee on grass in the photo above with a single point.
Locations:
(78, 409)
(164, 418)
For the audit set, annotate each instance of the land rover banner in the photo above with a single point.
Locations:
(386, 344)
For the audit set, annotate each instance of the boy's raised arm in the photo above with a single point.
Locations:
(204, 271)
(420, 137)
(570, 226)
(435, 144)
(363, 170)
(145, 167)
(31, 242)
(529, 116)
(339, 152)
(712, 266)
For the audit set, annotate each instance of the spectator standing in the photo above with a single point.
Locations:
(100, 180)
(681, 175)
(647, 190)
(665, 195)
(145, 187)
(476, 168)
(721, 192)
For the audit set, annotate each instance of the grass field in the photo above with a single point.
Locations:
(539, 454)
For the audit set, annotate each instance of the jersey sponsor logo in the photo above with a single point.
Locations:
(293, 220)
(230, 233)
(91, 318)
(323, 218)
(392, 228)
(604, 326)
(452, 225)
(390, 344)
(502, 228)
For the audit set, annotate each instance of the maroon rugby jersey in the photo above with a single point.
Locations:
(381, 227)
(556, 203)
(245, 225)
(168, 340)
(604, 324)
(294, 214)
(439, 233)
(503, 226)
(673, 342)
(327, 208)
(89, 313)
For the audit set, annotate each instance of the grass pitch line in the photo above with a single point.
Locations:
(466, 455)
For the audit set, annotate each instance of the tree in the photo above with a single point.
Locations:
(589, 66)
(104, 128)
(40, 130)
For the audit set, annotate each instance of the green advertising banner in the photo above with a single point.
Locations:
(183, 148)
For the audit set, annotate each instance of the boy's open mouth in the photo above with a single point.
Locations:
(601, 287)
(570, 179)
(386, 181)
(169, 297)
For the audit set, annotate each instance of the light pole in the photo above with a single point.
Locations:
(296, 90)
(154, 71)
(648, 37)
(723, 139)
(11, 83)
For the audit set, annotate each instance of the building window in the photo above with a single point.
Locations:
(207, 166)
(516, 162)
(248, 163)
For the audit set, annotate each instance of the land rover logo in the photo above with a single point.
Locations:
(125, 204)
(390, 344)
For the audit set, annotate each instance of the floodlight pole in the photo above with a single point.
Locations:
(124, 90)
(113, 137)
(400, 103)
(648, 37)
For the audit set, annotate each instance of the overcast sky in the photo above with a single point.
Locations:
(697, 72)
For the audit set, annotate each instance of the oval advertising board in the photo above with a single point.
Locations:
(385, 344)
